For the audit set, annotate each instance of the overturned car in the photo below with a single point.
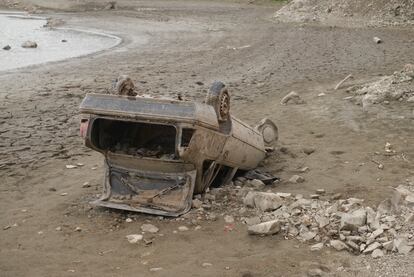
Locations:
(159, 152)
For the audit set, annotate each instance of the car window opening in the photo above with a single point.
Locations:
(133, 138)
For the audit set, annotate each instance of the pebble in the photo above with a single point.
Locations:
(296, 179)
(7, 47)
(128, 220)
(265, 228)
(320, 191)
(228, 219)
(183, 228)
(206, 264)
(377, 253)
(71, 166)
(134, 238)
(78, 229)
(29, 44)
(292, 97)
(317, 247)
(338, 245)
(149, 228)
(86, 185)
(196, 204)
(154, 269)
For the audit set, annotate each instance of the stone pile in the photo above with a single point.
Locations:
(342, 224)
(396, 87)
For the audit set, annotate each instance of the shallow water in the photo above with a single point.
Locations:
(16, 29)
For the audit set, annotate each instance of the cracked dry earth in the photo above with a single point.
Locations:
(172, 48)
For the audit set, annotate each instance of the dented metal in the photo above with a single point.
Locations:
(158, 152)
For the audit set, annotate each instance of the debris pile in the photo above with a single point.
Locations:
(397, 87)
(342, 224)
(377, 13)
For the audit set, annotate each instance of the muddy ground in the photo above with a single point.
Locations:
(167, 47)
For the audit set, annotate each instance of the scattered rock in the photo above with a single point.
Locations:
(265, 228)
(372, 247)
(296, 179)
(29, 44)
(317, 247)
(401, 245)
(320, 191)
(377, 253)
(377, 40)
(351, 221)
(257, 184)
(338, 245)
(86, 185)
(196, 204)
(228, 219)
(154, 269)
(308, 150)
(183, 228)
(306, 236)
(264, 201)
(293, 98)
(149, 228)
(134, 238)
(112, 5)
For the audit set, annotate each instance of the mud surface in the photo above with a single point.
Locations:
(188, 46)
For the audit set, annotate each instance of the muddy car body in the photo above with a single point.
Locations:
(158, 152)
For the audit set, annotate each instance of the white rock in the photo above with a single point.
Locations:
(372, 247)
(265, 228)
(306, 236)
(322, 221)
(183, 228)
(283, 194)
(128, 220)
(338, 245)
(149, 228)
(71, 166)
(401, 245)
(154, 269)
(252, 220)
(389, 245)
(228, 219)
(29, 44)
(256, 183)
(196, 203)
(296, 179)
(292, 97)
(351, 221)
(377, 253)
(317, 247)
(134, 238)
(206, 264)
(264, 201)
(320, 191)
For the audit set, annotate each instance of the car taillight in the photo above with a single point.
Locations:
(83, 127)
